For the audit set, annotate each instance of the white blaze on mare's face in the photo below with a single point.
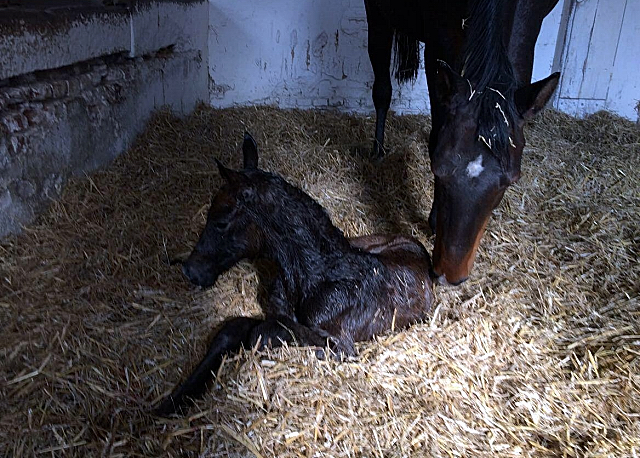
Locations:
(475, 168)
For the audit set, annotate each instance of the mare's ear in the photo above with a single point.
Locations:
(532, 98)
(449, 83)
(228, 174)
(250, 152)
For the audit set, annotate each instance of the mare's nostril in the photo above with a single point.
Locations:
(459, 282)
(442, 280)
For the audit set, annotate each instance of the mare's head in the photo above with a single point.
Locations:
(475, 149)
(231, 232)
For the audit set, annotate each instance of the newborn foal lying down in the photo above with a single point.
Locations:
(329, 291)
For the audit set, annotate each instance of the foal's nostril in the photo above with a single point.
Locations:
(186, 270)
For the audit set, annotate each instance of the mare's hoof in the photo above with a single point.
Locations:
(378, 152)
(374, 154)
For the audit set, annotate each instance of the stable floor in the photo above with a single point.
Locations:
(538, 354)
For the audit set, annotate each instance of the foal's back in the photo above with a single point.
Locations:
(386, 286)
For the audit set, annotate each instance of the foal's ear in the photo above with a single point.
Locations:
(250, 152)
(449, 83)
(228, 174)
(532, 98)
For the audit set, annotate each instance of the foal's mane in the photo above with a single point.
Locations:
(302, 211)
(486, 65)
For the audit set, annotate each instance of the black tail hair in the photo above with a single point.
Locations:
(406, 57)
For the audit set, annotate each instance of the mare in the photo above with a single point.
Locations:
(478, 59)
(328, 291)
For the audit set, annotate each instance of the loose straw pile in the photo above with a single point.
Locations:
(538, 354)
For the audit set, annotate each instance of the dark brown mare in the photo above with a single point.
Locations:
(478, 60)
(328, 292)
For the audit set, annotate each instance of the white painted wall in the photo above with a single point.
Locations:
(305, 54)
(146, 29)
(296, 54)
(601, 59)
(545, 59)
(58, 119)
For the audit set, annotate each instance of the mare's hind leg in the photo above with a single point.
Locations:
(379, 48)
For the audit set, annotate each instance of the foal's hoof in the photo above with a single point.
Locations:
(338, 350)
(169, 407)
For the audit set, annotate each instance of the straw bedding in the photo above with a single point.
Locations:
(538, 354)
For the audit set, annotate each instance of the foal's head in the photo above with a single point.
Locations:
(258, 214)
(231, 232)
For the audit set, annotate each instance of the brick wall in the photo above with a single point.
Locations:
(66, 120)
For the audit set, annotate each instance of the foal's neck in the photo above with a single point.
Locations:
(298, 233)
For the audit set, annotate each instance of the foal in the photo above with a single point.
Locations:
(329, 291)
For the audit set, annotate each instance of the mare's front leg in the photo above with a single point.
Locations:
(379, 48)
(433, 214)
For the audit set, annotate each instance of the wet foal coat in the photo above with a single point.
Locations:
(329, 291)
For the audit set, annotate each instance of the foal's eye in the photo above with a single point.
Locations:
(221, 225)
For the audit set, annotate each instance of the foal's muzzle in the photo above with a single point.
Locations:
(198, 274)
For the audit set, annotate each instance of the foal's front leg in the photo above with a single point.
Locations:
(232, 336)
(235, 334)
(301, 319)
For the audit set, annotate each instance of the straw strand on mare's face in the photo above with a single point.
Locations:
(329, 291)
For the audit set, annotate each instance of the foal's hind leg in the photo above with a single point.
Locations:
(379, 47)
(315, 337)
(307, 336)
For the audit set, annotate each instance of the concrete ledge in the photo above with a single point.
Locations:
(76, 89)
(34, 39)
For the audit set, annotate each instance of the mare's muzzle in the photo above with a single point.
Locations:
(442, 280)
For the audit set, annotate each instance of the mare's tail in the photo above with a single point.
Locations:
(233, 335)
(406, 59)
